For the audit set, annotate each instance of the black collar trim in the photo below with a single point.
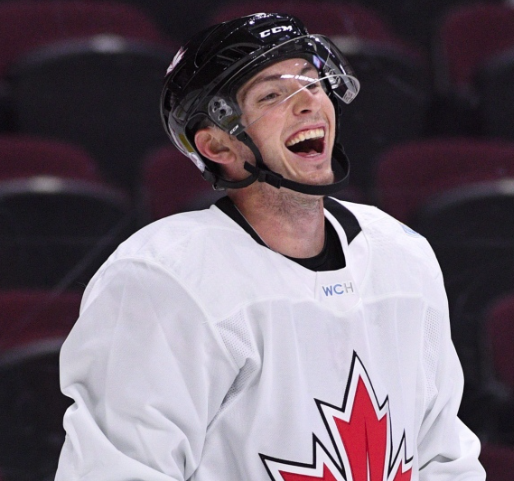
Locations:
(348, 221)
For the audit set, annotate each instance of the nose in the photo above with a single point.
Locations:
(306, 100)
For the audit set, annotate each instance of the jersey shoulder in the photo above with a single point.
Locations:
(175, 240)
(372, 218)
(386, 234)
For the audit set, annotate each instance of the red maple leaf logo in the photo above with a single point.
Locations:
(362, 437)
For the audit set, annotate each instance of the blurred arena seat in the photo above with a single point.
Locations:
(498, 461)
(467, 37)
(56, 232)
(417, 20)
(471, 67)
(33, 325)
(101, 93)
(23, 155)
(494, 87)
(409, 174)
(58, 219)
(28, 24)
(179, 19)
(499, 331)
(34, 322)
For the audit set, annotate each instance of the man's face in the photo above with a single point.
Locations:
(291, 120)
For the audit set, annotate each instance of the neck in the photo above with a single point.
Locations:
(290, 223)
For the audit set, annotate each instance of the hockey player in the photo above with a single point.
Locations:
(281, 334)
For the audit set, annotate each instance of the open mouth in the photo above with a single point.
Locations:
(307, 142)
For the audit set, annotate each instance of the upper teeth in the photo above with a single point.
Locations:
(305, 135)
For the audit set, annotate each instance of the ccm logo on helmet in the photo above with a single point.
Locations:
(274, 30)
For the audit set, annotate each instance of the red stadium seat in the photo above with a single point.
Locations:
(469, 36)
(178, 18)
(499, 326)
(99, 93)
(417, 20)
(58, 219)
(499, 331)
(28, 24)
(410, 174)
(24, 156)
(498, 461)
(34, 322)
(473, 83)
(33, 326)
(55, 233)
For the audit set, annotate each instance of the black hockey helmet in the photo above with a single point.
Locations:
(205, 74)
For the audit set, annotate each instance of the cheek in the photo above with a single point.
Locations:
(243, 152)
(331, 116)
(267, 130)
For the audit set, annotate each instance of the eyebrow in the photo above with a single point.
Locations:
(270, 78)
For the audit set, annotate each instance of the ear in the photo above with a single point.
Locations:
(216, 145)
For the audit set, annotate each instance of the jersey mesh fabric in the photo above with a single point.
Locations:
(432, 328)
(236, 337)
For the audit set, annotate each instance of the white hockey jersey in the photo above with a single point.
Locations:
(202, 355)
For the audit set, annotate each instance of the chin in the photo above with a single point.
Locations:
(319, 179)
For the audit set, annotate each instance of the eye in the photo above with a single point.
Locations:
(269, 97)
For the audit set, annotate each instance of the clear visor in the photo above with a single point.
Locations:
(270, 94)
(306, 65)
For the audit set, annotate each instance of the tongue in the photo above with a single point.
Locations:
(305, 147)
(307, 153)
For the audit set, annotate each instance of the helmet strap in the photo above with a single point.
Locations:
(261, 173)
(220, 183)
